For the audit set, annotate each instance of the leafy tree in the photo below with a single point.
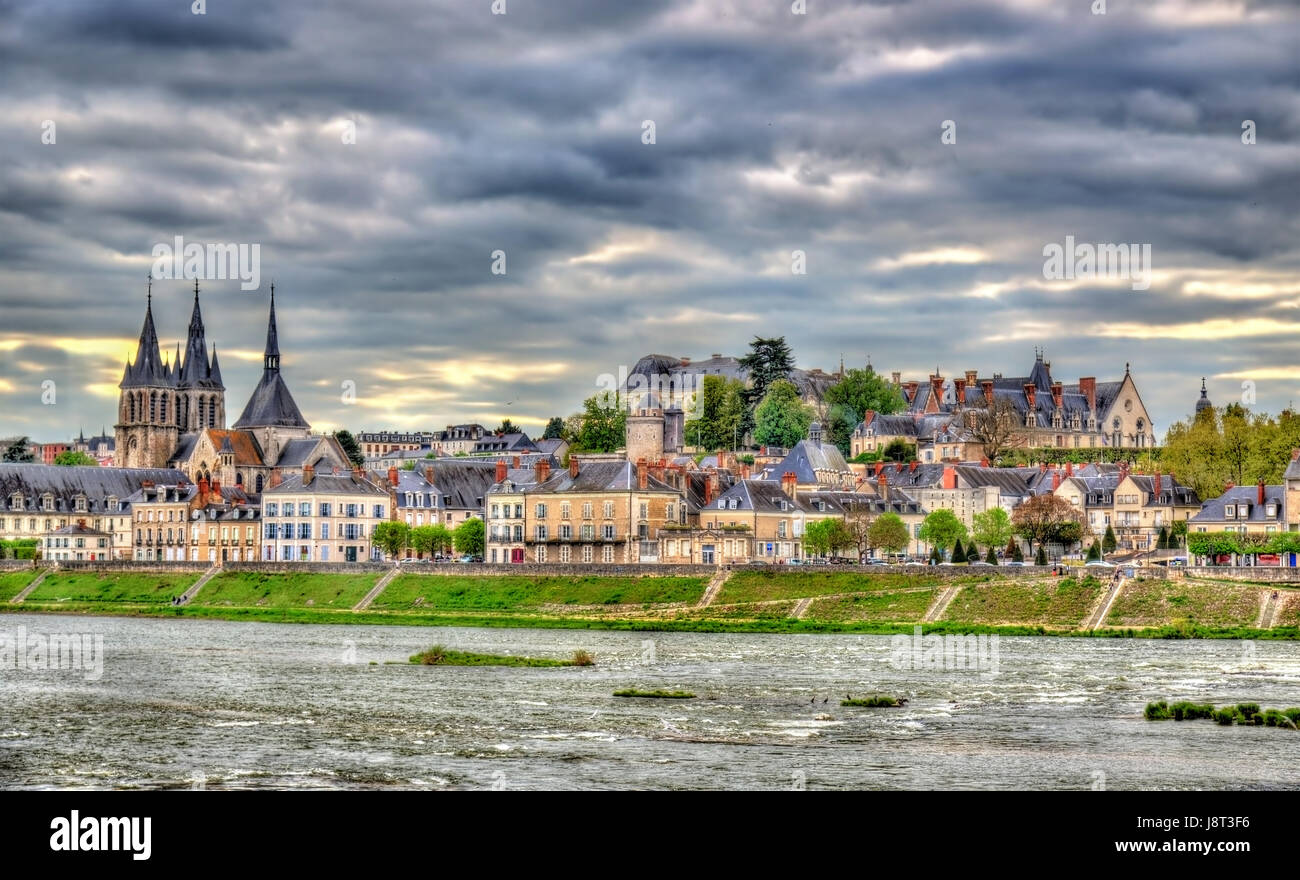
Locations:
(817, 537)
(1044, 518)
(934, 556)
(432, 539)
(1108, 541)
(839, 424)
(604, 423)
(1041, 557)
(554, 429)
(351, 448)
(71, 458)
(507, 427)
(898, 449)
(1017, 555)
(958, 552)
(468, 537)
(942, 528)
(991, 558)
(1162, 539)
(858, 521)
(1094, 552)
(992, 528)
(839, 537)
(720, 405)
(1177, 533)
(857, 392)
(768, 361)
(18, 451)
(392, 537)
(972, 552)
(888, 533)
(782, 419)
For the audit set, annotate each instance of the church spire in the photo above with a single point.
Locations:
(147, 369)
(271, 359)
(195, 371)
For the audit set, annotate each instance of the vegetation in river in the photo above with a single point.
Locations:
(875, 701)
(1241, 713)
(439, 655)
(661, 695)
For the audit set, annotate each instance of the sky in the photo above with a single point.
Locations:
(920, 156)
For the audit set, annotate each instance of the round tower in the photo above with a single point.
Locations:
(644, 434)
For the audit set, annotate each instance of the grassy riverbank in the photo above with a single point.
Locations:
(750, 601)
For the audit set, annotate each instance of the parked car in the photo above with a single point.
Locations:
(466, 559)
(985, 564)
(796, 562)
(1100, 565)
(1014, 564)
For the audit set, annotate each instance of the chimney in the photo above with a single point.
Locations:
(81, 523)
(1056, 480)
(909, 390)
(1261, 492)
(711, 479)
(984, 462)
(936, 387)
(573, 466)
(276, 478)
(971, 378)
(708, 490)
(896, 378)
(790, 484)
(642, 475)
(987, 387)
(744, 471)
(1123, 471)
(882, 486)
(880, 466)
(1088, 388)
(216, 488)
(307, 473)
(501, 470)
(913, 466)
(204, 488)
(1156, 485)
(1030, 391)
(515, 465)
(392, 476)
(1058, 394)
(949, 477)
(1069, 469)
(1295, 453)
(428, 473)
(542, 470)
(959, 388)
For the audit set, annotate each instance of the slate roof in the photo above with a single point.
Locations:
(97, 484)
(760, 496)
(516, 442)
(324, 484)
(1212, 510)
(458, 484)
(271, 404)
(593, 476)
(809, 456)
(1292, 470)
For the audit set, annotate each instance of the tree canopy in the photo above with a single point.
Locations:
(942, 528)
(351, 448)
(782, 419)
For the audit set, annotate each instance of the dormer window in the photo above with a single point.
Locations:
(1229, 511)
(81, 503)
(47, 502)
(16, 501)
(1271, 509)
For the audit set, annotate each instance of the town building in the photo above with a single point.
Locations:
(310, 516)
(77, 542)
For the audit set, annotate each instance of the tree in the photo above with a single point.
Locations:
(604, 424)
(858, 521)
(996, 426)
(72, 458)
(468, 537)
(838, 536)
(1108, 541)
(782, 419)
(1094, 552)
(935, 559)
(898, 450)
(992, 528)
(1041, 557)
(1044, 518)
(857, 392)
(1162, 539)
(942, 528)
(817, 538)
(432, 539)
(507, 427)
(351, 448)
(958, 552)
(768, 361)
(1016, 555)
(18, 451)
(888, 533)
(392, 537)
(720, 405)
(554, 429)
(1177, 533)
(972, 552)
(991, 558)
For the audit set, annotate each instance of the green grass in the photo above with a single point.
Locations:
(440, 656)
(1246, 714)
(509, 592)
(875, 701)
(760, 586)
(14, 582)
(305, 590)
(109, 587)
(1155, 602)
(661, 695)
(1059, 602)
(871, 607)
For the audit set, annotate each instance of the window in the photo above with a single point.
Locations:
(351, 510)
(607, 554)
(496, 511)
(541, 511)
(564, 510)
(1229, 511)
(304, 531)
(519, 533)
(588, 532)
(541, 533)
(586, 552)
(304, 508)
(566, 532)
(669, 511)
(378, 512)
(541, 553)
(607, 532)
(645, 510)
(272, 509)
(564, 553)
(586, 510)
(519, 511)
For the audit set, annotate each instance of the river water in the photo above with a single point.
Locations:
(223, 705)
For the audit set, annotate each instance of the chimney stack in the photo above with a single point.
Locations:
(987, 387)
(744, 471)
(1069, 468)
(790, 484)
(642, 474)
(1056, 480)
(515, 465)
(909, 390)
(1156, 485)
(913, 466)
(501, 470)
(1031, 391)
(392, 476)
(307, 473)
(949, 477)
(711, 480)
(542, 470)
(428, 473)
(882, 486)
(1295, 453)
(972, 376)
(276, 478)
(573, 466)
(708, 491)
(1088, 387)
(1058, 394)
(1261, 492)
(984, 462)
(959, 389)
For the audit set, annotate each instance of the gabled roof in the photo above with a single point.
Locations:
(1212, 510)
(271, 405)
(97, 484)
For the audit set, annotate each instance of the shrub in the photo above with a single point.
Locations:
(1248, 709)
(583, 658)
(1157, 711)
(1226, 716)
(1185, 711)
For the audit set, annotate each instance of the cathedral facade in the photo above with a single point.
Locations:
(172, 413)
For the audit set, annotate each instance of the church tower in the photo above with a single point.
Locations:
(271, 414)
(201, 398)
(147, 420)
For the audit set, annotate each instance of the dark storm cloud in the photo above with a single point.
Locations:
(522, 133)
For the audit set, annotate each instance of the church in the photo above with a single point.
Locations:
(172, 414)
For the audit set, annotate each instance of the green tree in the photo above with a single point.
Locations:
(469, 537)
(604, 423)
(1162, 539)
(1108, 541)
(942, 528)
(507, 427)
(782, 419)
(392, 537)
(554, 429)
(888, 533)
(992, 528)
(768, 361)
(1094, 552)
(817, 538)
(849, 400)
(1016, 554)
(1044, 518)
(991, 557)
(958, 553)
(18, 451)
(1040, 558)
(72, 458)
(720, 405)
(432, 539)
(898, 449)
(351, 448)
(840, 537)
(1177, 533)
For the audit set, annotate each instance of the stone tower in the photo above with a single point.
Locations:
(644, 434)
(147, 427)
(200, 395)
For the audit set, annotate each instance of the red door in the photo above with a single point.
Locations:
(517, 555)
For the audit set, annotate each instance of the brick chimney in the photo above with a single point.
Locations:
(708, 490)
(984, 462)
(428, 473)
(987, 387)
(790, 484)
(216, 488)
(515, 464)
(1069, 468)
(642, 475)
(909, 389)
(542, 470)
(1295, 453)
(949, 477)
(880, 466)
(1031, 391)
(711, 479)
(744, 471)
(1056, 480)
(913, 466)
(1058, 395)
(1261, 492)
(882, 486)
(1088, 388)
(1156, 485)
(573, 466)
(276, 477)
(936, 387)
(204, 488)
(307, 473)
(501, 470)
(392, 476)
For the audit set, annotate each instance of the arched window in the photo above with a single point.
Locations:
(212, 411)
(258, 490)
(130, 400)
(153, 407)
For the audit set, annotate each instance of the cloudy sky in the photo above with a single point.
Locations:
(524, 133)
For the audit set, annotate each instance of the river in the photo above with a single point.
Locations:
(228, 705)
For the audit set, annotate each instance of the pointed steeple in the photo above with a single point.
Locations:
(148, 368)
(271, 359)
(214, 371)
(271, 404)
(195, 372)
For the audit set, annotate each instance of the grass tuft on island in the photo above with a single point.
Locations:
(875, 701)
(441, 656)
(1242, 713)
(661, 695)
